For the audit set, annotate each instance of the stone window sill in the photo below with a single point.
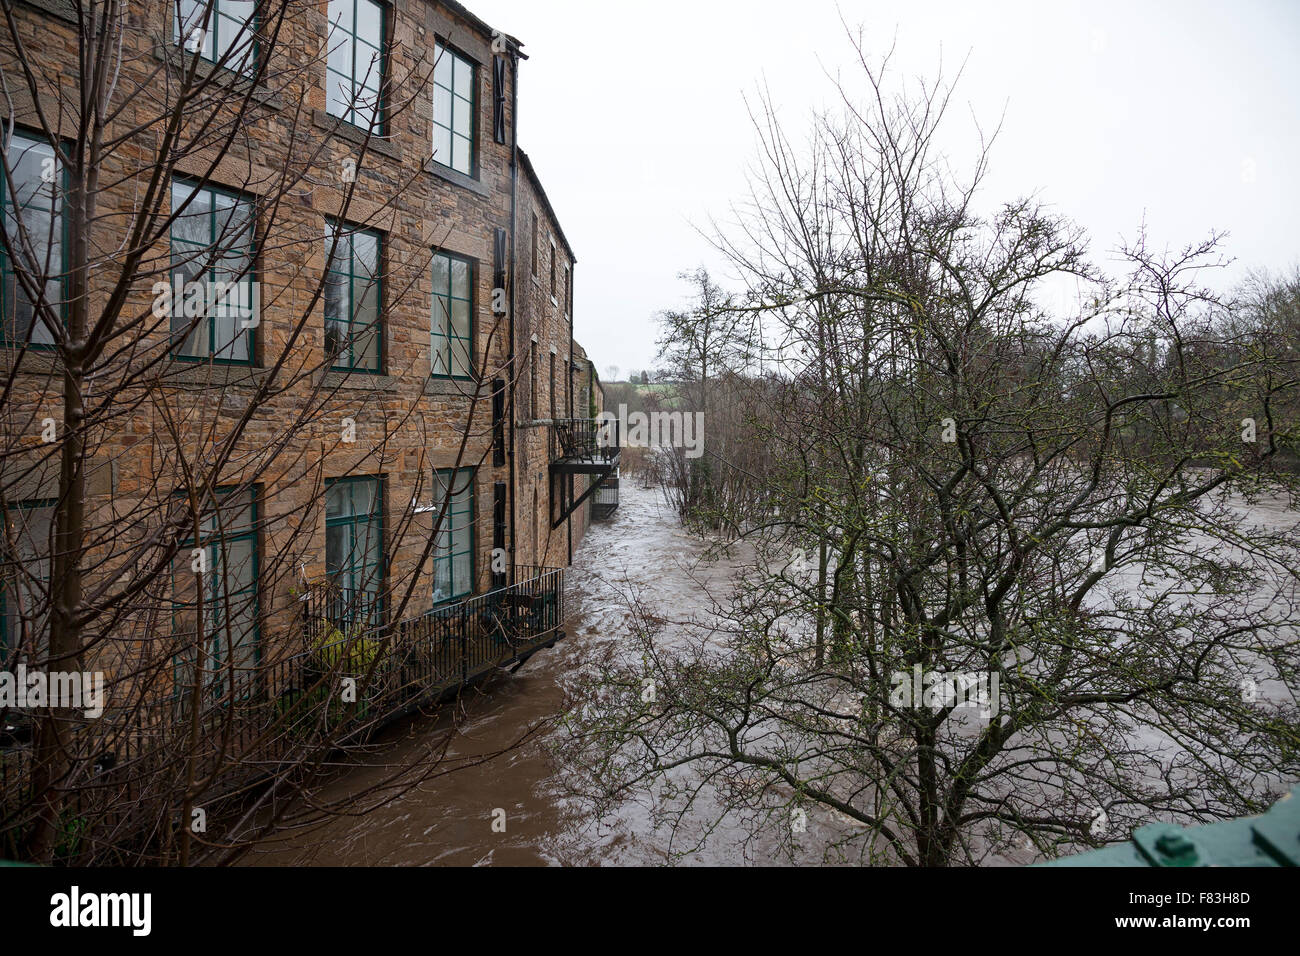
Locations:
(462, 387)
(212, 375)
(455, 178)
(61, 9)
(175, 56)
(345, 130)
(358, 381)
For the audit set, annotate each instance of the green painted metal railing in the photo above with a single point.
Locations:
(1272, 839)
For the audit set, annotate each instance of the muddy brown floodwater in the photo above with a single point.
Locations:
(448, 820)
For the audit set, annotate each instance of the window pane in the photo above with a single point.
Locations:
(367, 307)
(460, 319)
(354, 546)
(462, 118)
(237, 512)
(226, 32)
(442, 108)
(364, 495)
(460, 156)
(370, 19)
(461, 573)
(337, 501)
(441, 274)
(237, 566)
(461, 364)
(365, 250)
(372, 554)
(337, 550)
(229, 337)
(233, 222)
(365, 349)
(442, 145)
(336, 297)
(443, 69)
(464, 83)
(369, 67)
(229, 592)
(340, 55)
(366, 110)
(193, 29)
(460, 278)
(234, 33)
(338, 89)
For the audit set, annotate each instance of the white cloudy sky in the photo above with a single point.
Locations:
(1182, 113)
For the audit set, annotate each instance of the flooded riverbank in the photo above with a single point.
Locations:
(449, 820)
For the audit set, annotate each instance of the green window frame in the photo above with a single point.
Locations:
(231, 597)
(354, 69)
(452, 324)
(454, 542)
(17, 576)
(35, 168)
(213, 241)
(455, 111)
(217, 30)
(354, 329)
(354, 547)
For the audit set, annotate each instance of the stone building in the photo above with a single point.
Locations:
(387, 425)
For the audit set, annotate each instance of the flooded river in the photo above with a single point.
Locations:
(449, 820)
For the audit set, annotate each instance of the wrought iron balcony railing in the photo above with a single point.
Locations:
(585, 440)
(283, 702)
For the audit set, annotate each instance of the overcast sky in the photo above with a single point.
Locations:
(1182, 113)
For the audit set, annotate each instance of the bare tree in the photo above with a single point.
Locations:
(1042, 613)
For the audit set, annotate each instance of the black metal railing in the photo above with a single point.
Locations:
(585, 439)
(348, 611)
(257, 716)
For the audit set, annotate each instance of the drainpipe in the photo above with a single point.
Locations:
(568, 376)
(514, 275)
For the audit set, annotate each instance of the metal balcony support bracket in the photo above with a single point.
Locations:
(565, 499)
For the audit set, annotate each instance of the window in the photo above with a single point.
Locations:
(220, 31)
(24, 585)
(554, 277)
(455, 104)
(33, 226)
(453, 556)
(218, 575)
(354, 73)
(452, 351)
(354, 550)
(553, 415)
(532, 380)
(568, 290)
(214, 290)
(353, 299)
(536, 240)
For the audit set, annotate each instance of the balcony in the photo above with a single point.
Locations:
(448, 647)
(584, 447)
(282, 705)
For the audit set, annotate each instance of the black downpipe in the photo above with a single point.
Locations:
(514, 275)
(570, 295)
